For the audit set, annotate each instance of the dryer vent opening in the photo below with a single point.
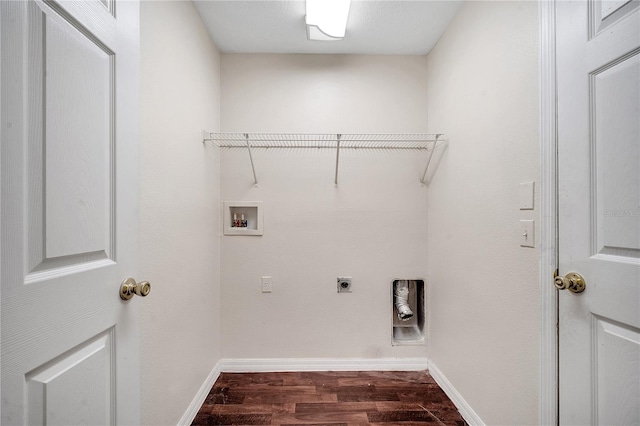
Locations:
(408, 307)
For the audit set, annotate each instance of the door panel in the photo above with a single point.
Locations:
(618, 354)
(598, 45)
(607, 12)
(76, 387)
(70, 179)
(615, 94)
(69, 76)
(78, 140)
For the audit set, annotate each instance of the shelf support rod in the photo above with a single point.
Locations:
(337, 158)
(253, 169)
(426, 168)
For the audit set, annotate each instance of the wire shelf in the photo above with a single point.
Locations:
(318, 140)
(377, 141)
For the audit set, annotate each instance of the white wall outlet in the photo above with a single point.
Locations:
(527, 233)
(266, 285)
(344, 284)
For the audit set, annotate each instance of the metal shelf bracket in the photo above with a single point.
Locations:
(426, 167)
(253, 168)
(335, 181)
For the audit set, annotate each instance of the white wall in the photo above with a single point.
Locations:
(372, 227)
(483, 93)
(179, 196)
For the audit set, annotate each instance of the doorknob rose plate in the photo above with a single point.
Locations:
(572, 282)
(129, 288)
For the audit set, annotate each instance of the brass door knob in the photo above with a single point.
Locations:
(572, 282)
(129, 288)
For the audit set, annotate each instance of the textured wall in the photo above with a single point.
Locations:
(483, 93)
(179, 196)
(372, 227)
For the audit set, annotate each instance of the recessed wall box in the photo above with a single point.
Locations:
(242, 218)
(408, 329)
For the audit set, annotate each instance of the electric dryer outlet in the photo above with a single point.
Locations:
(344, 284)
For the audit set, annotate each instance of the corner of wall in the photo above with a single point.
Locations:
(179, 208)
(483, 94)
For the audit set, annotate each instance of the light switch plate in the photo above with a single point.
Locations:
(527, 233)
(527, 195)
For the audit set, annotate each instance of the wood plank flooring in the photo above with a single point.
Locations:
(336, 398)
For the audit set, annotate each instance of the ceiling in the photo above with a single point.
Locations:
(375, 27)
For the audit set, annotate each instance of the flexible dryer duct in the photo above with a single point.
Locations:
(401, 298)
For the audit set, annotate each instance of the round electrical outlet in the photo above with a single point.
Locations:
(344, 284)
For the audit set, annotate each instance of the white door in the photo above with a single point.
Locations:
(69, 82)
(598, 60)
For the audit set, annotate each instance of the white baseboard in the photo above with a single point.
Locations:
(463, 407)
(256, 365)
(201, 395)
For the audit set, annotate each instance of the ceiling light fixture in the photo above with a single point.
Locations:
(327, 19)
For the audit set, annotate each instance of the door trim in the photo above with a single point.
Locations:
(548, 393)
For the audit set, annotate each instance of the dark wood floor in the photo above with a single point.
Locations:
(364, 398)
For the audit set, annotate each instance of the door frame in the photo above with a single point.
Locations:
(548, 261)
